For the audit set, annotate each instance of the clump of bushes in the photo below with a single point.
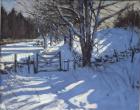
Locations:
(128, 18)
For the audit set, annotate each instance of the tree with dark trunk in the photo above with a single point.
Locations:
(89, 19)
(83, 18)
(70, 39)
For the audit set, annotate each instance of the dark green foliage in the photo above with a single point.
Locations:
(129, 18)
(14, 25)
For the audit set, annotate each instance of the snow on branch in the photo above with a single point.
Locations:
(69, 9)
(69, 23)
(112, 15)
(104, 6)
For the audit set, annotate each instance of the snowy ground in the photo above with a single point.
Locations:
(83, 89)
(113, 38)
(103, 88)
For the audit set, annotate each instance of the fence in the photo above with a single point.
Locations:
(42, 62)
(35, 62)
(15, 64)
(48, 62)
(116, 57)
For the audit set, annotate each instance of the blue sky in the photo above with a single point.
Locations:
(8, 4)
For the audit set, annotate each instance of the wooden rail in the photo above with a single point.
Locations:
(66, 65)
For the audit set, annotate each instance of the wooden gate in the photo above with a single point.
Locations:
(48, 62)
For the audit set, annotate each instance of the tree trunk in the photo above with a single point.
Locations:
(44, 41)
(87, 49)
(70, 39)
(86, 54)
(65, 41)
(51, 40)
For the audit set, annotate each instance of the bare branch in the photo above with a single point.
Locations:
(69, 23)
(107, 5)
(69, 9)
(112, 15)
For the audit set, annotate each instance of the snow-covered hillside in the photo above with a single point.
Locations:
(115, 38)
(109, 87)
(109, 39)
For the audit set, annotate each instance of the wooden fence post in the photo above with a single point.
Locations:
(74, 65)
(37, 62)
(60, 64)
(116, 55)
(34, 66)
(28, 63)
(132, 55)
(68, 64)
(15, 62)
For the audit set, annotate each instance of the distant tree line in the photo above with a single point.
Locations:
(15, 26)
(128, 18)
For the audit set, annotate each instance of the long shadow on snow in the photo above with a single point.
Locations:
(58, 84)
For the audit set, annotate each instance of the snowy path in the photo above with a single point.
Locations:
(74, 90)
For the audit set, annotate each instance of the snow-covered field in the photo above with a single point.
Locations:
(102, 88)
(23, 50)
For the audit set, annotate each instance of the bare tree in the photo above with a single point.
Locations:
(83, 18)
(88, 15)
